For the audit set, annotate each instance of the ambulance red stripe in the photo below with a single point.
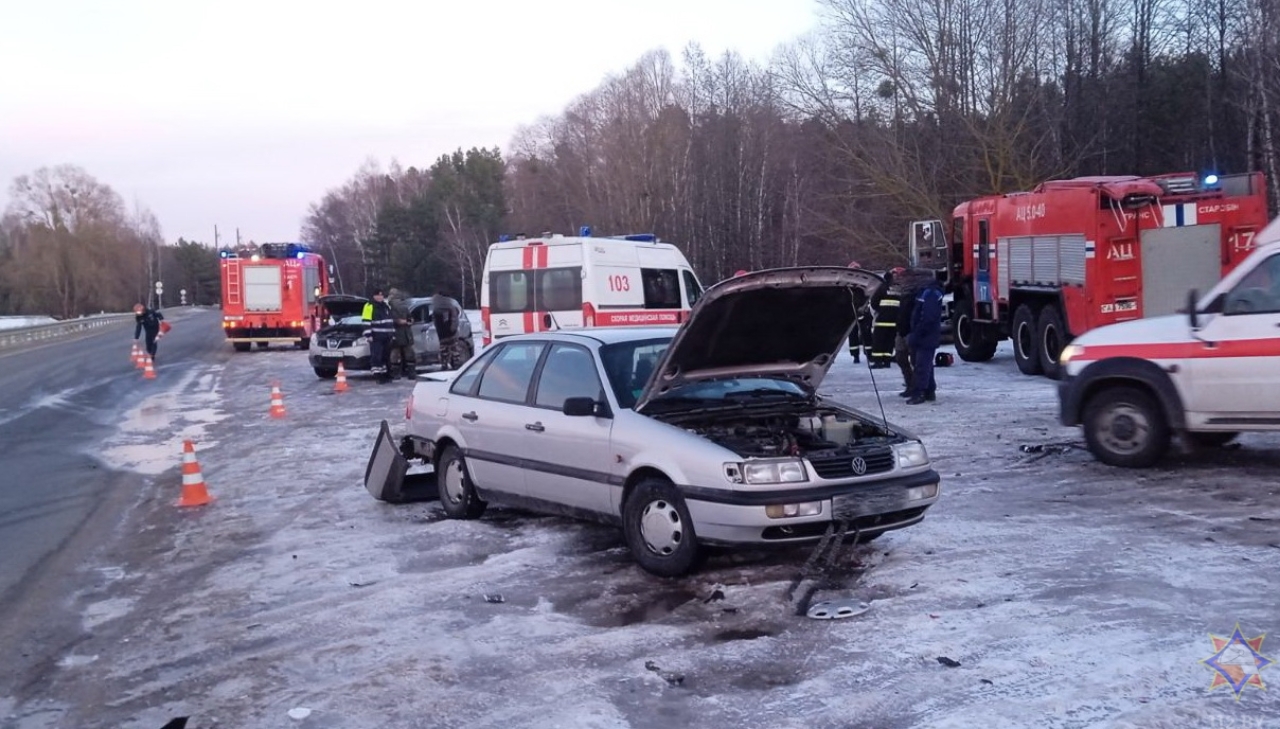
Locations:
(1269, 347)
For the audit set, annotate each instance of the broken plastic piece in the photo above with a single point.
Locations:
(832, 609)
(494, 598)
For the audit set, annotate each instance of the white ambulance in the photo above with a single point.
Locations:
(1205, 375)
(570, 282)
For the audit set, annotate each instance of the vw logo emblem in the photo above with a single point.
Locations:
(859, 466)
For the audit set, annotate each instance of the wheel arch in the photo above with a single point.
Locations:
(635, 477)
(1126, 371)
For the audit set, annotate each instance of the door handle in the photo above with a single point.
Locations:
(470, 416)
(535, 427)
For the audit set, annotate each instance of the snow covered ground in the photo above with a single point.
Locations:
(1061, 592)
(18, 322)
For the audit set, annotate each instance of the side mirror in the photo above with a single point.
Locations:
(1192, 315)
(579, 407)
(548, 323)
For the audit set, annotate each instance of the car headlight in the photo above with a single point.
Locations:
(911, 454)
(780, 471)
(1069, 352)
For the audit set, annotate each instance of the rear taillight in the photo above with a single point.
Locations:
(408, 409)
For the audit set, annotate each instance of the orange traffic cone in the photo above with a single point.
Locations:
(139, 357)
(194, 492)
(133, 353)
(341, 384)
(150, 372)
(277, 402)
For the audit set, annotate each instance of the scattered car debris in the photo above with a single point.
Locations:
(832, 609)
(179, 722)
(672, 678)
(716, 594)
(987, 681)
(494, 598)
(363, 584)
(948, 662)
(299, 713)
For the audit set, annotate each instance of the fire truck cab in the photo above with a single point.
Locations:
(270, 293)
(567, 282)
(1045, 266)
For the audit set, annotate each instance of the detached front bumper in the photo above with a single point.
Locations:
(723, 516)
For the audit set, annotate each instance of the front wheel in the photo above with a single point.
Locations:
(1025, 350)
(973, 342)
(658, 530)
(458, 495)
(1125, 426)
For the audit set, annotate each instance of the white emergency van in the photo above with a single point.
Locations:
(1205, 375)
(571, 282)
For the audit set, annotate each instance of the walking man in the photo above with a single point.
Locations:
(402, 340)
(147, 320)
(926, 334)
(380, 328)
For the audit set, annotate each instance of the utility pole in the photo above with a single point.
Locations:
(215, 237)
(237, 237)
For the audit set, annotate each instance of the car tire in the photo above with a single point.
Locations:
(973, 342)
(304, 343)
(658, 530)
(241, 346)
(325, 373)
(458, 495)
(1213, 439)
(1124, 426)
(1051, 337)
(1026, 351)
(263, 345)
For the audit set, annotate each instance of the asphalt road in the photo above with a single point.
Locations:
(57, 401)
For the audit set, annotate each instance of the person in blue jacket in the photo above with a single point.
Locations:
(923, 341)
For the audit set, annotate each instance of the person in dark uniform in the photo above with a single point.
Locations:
(860, 336)
(445, 316)
(380, 328)
(884, 306)
(402, 340)
(926, 334)
(906, 289)
(147, 320)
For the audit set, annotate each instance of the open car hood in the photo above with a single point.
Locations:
(343, 305)
(785, 323)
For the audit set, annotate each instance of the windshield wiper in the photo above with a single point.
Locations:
(765, 393)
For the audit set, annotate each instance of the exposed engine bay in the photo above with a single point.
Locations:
(822, 432)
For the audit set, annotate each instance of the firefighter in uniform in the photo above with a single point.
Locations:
(884, 329)
(380, 328)
(402, 341)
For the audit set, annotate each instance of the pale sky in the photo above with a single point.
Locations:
(241, 113)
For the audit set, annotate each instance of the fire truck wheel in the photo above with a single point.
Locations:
(1026, 351)
(1051, 337)
(241, 346)
(1124, 426)
(973, 342)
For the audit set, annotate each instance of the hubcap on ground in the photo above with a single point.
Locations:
(1125, 428)
(661, 527)
(453, 482)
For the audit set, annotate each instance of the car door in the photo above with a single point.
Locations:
(568, 457)
(493, 418)
(423, 333)
(1235, 375)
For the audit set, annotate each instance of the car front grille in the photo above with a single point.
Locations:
(338, 343)
(877, 460)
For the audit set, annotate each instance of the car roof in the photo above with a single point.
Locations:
(602, 335)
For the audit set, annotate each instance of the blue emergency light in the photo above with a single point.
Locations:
(641, 237)
(1210, 180)
(504, 238)
(585, 231)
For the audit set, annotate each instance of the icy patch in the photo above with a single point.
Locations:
(106, 610)
(149, 439)
(75, 661)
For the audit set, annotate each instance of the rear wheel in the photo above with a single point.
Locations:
(1124, 426)
(1051, 337)
(973, 342)
(1025, 350)
(458, 496)
(658, 529)
(241, 346)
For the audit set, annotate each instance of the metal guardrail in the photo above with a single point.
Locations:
(27, 335)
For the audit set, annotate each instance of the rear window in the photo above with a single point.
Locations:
(661, 288)
(545, 289)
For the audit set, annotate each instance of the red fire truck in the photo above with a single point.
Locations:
(269, 294)
(1041, 267)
